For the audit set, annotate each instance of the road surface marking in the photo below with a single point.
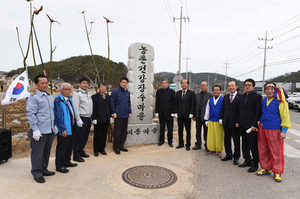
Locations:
(297, 141)
(295, 124)
(291, 152)
(295, 132)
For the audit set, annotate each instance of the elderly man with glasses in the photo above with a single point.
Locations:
(66, 123)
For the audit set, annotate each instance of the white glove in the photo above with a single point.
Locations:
(37, 135)
(175, 115)
(156, 114)
(111, 120)
(94, 122)
(220, 121)
(172, 114)
(55, 129)
(206, 123)
(190, 116)
(80, 123)
(249, 130)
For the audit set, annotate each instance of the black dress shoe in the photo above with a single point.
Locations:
(188, 148)
(245, 164)
(123, 149)
(117, 151)
(235, 161)
(62, 170)
(160, 143)
(197, 147)
(71, 165)
(226, 158)
(96, 154)
(179, 146)
(79, 159)
(84, 155)
(49, 173)
(170, 145)
(40, 179)
(103, 152)
(252, 169)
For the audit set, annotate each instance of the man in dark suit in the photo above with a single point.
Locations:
(229, 119)
(165, 109)
(250, 112)
(101, 118)
(201, 100)
(184, 111)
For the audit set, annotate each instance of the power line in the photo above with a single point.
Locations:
(286, 40)
(238, 55)
(284, 61)
(249, 71)
(246, 55)
(171, 17)
(271, 32)
(246, 60)
(286, 32)
(285, 26)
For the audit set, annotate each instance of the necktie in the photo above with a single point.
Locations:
(183, 95)
(231, 98)
(71, 110)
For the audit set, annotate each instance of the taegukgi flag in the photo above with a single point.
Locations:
(18, 89)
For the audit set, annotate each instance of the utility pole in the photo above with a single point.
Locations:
(187, 59)
(207, 82)
(190, 80)
(179, 68)
(215, 77)
(225, 75)
(265, 55)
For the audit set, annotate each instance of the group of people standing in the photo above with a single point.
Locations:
(70, 119)
(262, 123)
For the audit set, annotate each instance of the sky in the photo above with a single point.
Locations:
(218, 31)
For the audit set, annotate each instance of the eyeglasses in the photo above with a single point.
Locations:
(248, 85)
(67, 90)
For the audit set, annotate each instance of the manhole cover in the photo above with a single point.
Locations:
(149, 177)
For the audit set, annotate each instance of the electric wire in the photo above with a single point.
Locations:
(171, 17)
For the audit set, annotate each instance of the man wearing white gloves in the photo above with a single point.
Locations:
(184, 111)
(101, 119)
(40, 114)
(165, 109)
(229, 119)
(83, 104)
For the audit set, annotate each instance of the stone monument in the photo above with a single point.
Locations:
(141, 129)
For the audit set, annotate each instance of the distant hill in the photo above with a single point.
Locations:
(71, 69)
(197, 78)
(287, 77)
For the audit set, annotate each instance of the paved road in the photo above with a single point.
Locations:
(216, 179)
(199, 176)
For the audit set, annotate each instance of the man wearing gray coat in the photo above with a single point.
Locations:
(201, 100)
(40, 114)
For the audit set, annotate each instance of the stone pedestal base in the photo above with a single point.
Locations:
(142, 134)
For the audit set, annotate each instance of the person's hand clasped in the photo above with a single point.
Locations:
(282, 136)
(36, 135)
(80, 123)
(64, 133)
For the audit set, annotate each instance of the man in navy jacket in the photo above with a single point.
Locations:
(121, 110)
(250, 112)
(66, 123)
